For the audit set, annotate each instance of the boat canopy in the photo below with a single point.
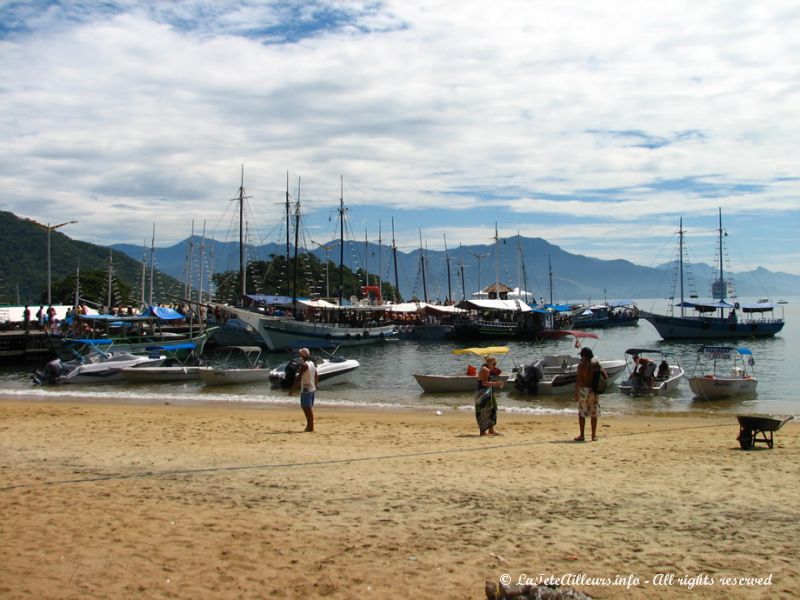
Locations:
(722, 351)
(705, 306)
(551, 308)
(640, 351)
(245, 349)
(162, 312)
(485, 351)
(506, 305)
(417, 307)
(757, 307)
(618, 303)
(89, 342)
(183, 346)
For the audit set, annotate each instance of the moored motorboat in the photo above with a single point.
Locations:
(555, 374)
(730, 376)
(466, 381)
(184, 365)
(333, 370)
(224, 374)
(94, 363)
(650, 372)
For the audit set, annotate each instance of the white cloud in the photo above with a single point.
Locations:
(570, 111)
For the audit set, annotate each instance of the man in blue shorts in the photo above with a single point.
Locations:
(306, 381)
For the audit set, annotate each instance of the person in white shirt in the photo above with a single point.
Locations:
(306, 381)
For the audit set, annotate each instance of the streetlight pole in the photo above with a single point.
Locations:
(479, 257)
(327, 247)
(51, 228)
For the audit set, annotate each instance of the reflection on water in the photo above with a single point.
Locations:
(385, 377)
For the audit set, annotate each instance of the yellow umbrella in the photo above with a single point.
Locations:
(483, 351)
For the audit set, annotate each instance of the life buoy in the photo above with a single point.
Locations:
(358, 336)
(347, 336)
(383, 336)
(366, 334)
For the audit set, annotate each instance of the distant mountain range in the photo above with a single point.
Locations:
(23, 267)
(574, 277)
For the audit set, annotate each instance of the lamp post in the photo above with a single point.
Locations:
(327, 248)
(49, 277)
(479, 257)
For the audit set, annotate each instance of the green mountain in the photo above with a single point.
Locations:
(23, 268)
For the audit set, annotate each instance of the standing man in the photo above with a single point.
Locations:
(26, 318)
(306, 381)
(585, 394)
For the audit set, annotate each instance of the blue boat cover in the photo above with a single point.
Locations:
(163, 313)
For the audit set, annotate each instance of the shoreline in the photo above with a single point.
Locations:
(275, 399)
(201, 501)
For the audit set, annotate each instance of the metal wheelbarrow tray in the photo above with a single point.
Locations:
(750, 427)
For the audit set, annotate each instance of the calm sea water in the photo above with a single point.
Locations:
(385, 377)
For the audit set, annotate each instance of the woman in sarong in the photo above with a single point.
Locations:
(485, 402)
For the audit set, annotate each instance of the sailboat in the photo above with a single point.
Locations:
(755, 321)
(319, 321)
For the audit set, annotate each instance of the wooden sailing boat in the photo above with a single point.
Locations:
(319, 321)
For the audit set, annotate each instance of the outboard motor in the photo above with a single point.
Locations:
(527, 381)
(50, 372)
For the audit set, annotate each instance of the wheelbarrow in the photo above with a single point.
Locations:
(750, 428)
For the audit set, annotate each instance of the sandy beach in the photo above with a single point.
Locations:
(105, 500)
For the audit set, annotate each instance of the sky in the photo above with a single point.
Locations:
(594, 125)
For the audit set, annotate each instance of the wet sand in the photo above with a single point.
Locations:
(104, 500)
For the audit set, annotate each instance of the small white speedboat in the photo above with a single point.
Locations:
(738, 380)
(333, 370)
(183, 366)
(254, 370)
(95, 366)
(466, 381)
(556, 374)
(650, 372)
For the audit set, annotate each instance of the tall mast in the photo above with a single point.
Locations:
(496, 262)
(77, 289)
(296, 244)
(341, 240)
(447, 260)
(463, 284)
(187, 283)
(288, 234)
(380, 258)
(394, 257)
(110, 279)
(242, 276)
(680, 263)
(722, 290)
(550, 278)
(202, 263)
(152, 263)
(144, 274)
(366, 257)
(422, 267)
